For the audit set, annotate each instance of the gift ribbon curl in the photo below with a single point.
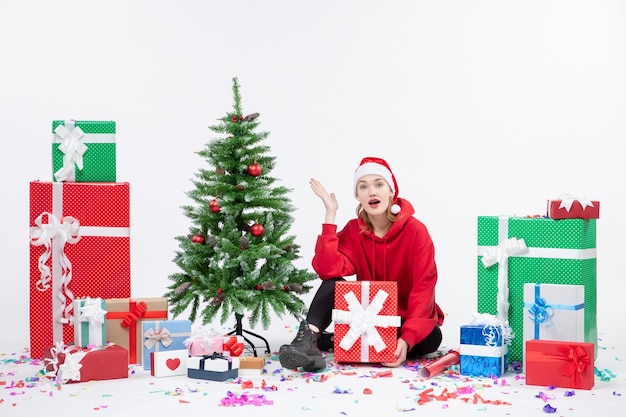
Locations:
(73, 150)
(363, 321)
(540, 312)
(67, 230)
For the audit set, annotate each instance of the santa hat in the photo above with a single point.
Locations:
(377, 166)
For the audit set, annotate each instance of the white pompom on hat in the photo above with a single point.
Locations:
(377, 166)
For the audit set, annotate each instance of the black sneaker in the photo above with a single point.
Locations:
(326, 342)
(303, 351)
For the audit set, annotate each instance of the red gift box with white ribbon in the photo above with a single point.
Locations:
(366, 321)
(559, 363)
(79, 247)
(569, 207)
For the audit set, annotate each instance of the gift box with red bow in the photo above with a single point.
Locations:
(366, 321)
(214, 367)
(124, 318)
(233, 345)
(561, 364)
(79, 247)
(573, 208)
(163, 335)
(75, 364)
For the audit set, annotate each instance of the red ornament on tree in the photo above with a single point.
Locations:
(239, 187)
(235, 119)
(214, 206)
(259, 287)
(255, 169)
(257, 230)
(199, 239)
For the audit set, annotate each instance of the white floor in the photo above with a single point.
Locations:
(338, 391)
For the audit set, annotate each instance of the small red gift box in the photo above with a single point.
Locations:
(366, 321)
(76, 364)
(79, 247)
(558, 363)
(573, 208)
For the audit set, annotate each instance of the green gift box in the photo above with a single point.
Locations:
(558, 252)
(83, 151)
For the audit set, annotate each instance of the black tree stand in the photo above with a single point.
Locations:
(239, 331)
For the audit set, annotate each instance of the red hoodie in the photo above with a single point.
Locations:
(405, 254)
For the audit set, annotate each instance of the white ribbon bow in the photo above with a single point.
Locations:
(65, 231)
(73, 150)
(364, 321)
(70, 368)
(567, 200)
(93, 313)
(500, 254)
(153, 338)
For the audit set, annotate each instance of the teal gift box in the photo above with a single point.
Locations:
(83, 151)
(558, 252)
(483, 351)
(90, 322)
(163, 335)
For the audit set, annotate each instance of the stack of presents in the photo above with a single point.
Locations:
(84, 323)
(536, 301)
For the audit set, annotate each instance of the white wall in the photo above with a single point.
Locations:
(480, 107)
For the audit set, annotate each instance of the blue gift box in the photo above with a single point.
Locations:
(483, 351)
(163, 335)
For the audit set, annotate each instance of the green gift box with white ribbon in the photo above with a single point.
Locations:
(551, 252)
(83, 151)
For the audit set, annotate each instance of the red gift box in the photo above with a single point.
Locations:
(79, 247)
(75, 364)
(124, 322)
(366, 321)
(558, 363)
(573, 208)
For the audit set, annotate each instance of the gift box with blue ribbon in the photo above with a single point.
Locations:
(483, 350)
(554, 312)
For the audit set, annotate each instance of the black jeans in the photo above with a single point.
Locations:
(321, 310)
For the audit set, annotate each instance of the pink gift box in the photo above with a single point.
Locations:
(198, 346)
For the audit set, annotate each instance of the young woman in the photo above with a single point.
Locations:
(383, 243)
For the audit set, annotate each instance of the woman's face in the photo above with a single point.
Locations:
(374, 194)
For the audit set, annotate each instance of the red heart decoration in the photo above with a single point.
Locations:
(172, 363)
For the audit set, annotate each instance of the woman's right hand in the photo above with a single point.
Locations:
(329, 199)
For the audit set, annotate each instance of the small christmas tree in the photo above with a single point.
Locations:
(238, 255)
